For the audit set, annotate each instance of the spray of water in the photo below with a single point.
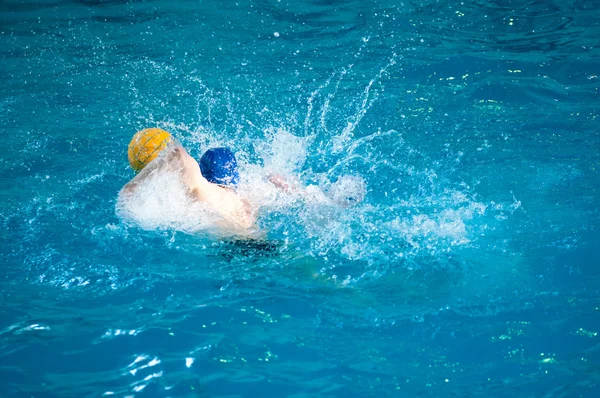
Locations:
(369, 197)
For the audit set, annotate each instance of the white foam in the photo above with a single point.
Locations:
(283, 151)
(347, 190)
(189, 361)
(162, 202)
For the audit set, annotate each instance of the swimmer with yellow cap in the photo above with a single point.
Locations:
(213, 182)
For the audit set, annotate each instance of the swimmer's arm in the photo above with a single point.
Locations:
(284, 184)
(309, 193)
(293, 186)
(198, 187)
(172, 160)
(132, 185)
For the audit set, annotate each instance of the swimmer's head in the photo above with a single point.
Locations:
(146, 145)
(218, 165)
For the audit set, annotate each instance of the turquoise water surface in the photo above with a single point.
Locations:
(471, 267)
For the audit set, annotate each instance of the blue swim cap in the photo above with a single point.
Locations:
(218, 165)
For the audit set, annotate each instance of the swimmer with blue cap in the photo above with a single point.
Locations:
(213, 181)
(219, 166)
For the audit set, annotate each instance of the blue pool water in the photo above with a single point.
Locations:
(471, 268)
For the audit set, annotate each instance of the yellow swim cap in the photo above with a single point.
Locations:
(146, 145)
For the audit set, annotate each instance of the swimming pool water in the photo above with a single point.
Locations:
(470, 268)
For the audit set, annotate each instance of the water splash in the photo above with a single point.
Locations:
(370, 197)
